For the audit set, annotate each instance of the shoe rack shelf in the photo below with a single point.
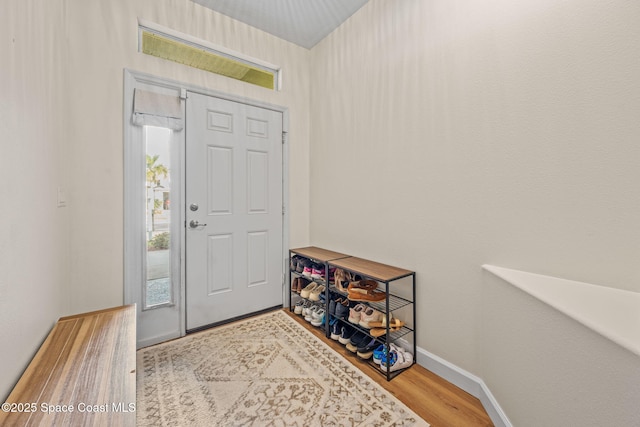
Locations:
(388, 278)
(318, 256)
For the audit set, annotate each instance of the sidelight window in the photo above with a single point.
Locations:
(158, 215)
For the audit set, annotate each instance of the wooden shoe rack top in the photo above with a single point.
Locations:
(371, 269)
(382, 273)
(318, 254)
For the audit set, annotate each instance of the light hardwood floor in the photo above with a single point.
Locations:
(437, 401)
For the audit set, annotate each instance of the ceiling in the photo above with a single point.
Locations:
(303, 22)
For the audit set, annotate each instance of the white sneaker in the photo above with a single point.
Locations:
(305, 308)
(356, 312)
(368, 316)
(311, 312)
(318, 317)
(403, 359)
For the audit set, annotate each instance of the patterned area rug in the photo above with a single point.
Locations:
(263, 371)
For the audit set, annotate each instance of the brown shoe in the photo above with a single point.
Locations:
(367, 296)
(368, 285)
(302, 283)
(294, 286)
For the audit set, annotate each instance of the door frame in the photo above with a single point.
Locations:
(133, 251)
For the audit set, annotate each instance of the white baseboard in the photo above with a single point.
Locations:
(467, 382)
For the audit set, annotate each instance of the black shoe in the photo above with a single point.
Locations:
(365, 351)
(346, 334)
(336, 331)
(357, 340)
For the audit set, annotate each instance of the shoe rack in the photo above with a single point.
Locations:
(318, 256)
(398, 285)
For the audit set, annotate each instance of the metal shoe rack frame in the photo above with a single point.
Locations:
(381, 273)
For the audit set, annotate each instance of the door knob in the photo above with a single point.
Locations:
(195, 224)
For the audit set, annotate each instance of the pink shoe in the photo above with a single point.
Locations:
(317, 271)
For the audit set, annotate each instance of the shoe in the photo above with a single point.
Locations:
(380, 328)
(402, 359)
(302, 283)
(308, 268)
(369, 315)
(315, 293)
(293, 263)
(366, 351)
(346, 334)
(300, 264)
(317, 271)
(297, 309)
(336, 331)
(311, 312)
(342, 308)
(333, 304)
(382, 323)
(294, 285)
(317, 318)
(339, 279)
(307, 290)
(366, 296)
(308, 305)
(368, 285)
(357, 340)
(389, 360)
(380, 353)
(355, 313)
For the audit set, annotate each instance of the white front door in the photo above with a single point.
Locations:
(234, 263)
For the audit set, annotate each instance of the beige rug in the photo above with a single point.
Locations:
(263, 371)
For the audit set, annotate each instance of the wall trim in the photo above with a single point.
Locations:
(468, 382)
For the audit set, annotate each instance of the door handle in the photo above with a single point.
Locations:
(195, 224)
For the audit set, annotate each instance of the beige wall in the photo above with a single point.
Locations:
(34, 240)
(450, 134)
(445, 135)
(62, 103)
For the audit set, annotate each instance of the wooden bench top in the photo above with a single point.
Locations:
(84, 374)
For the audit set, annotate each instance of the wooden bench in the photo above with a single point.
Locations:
(84, 374)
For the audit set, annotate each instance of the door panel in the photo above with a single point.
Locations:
(220, 171)
(220, 262)
(257, 260)
(234, 236)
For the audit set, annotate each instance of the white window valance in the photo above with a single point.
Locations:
(155, 109)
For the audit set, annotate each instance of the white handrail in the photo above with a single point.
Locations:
(613, 313)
